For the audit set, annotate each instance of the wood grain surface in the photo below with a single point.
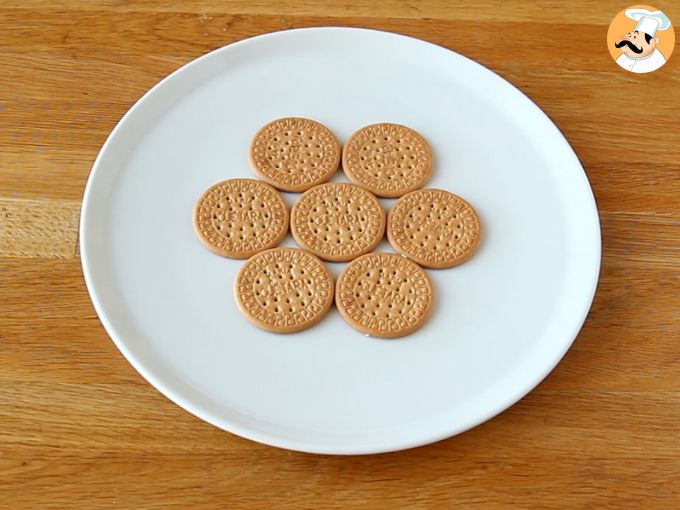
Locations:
(79, 428)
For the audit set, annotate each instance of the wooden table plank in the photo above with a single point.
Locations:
(547, 11)
(80, 428)
(38, 228)
(269, 480)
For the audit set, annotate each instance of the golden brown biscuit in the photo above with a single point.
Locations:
(294, 154)
(284, 290)
(433, 227)
(384, 295)
(240, 217)
(387, 159)
(338, 221)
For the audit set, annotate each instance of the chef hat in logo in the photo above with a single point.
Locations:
(648, 22)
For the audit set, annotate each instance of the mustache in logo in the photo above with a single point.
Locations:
(626, 42)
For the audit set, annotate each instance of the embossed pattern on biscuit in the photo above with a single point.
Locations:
(284, 290)
(434, 227)
(338, 221)
(239, 217)
(384, 295)
(388, 159)
(294, 154)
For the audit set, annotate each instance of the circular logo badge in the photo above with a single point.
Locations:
(640, 39)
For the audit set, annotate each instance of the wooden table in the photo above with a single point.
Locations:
(79, 428)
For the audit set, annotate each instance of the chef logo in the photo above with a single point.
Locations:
(640, 39)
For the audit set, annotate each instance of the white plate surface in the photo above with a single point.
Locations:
(501, 322)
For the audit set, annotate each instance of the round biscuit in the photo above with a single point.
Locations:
(294, 154)
(237, 218)
(338, 221)
(384, 295)
(434, 227)
(387, 159)
(284, 290)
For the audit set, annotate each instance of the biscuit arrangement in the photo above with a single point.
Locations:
(285, 290)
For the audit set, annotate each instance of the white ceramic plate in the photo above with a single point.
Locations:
(501, 322)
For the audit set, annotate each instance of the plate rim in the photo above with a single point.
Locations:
(272, 439)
